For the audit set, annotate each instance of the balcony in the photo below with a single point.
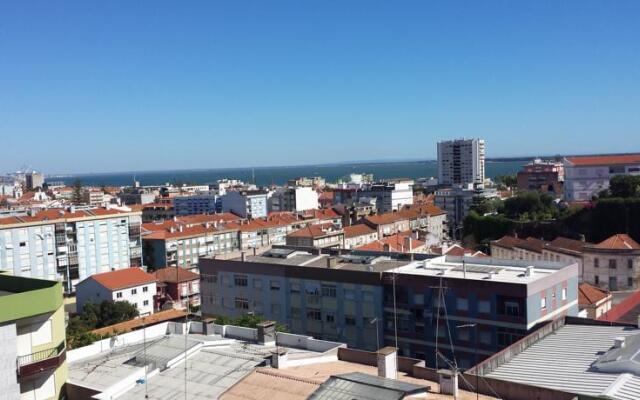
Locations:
(39, 361)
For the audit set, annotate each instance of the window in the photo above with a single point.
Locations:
(596, 280)
(349, 294)
(463, 334)
(295, 312)
(484, 306)
(418, 299)
(329, 290)
(329, 317)
(564, 293)
(119, 295)
(630, 263)
(511, 308)
(145, 289)
(134, 291)
(367, 295)
(314, 314)
(275, 309)
(630, 282)
(596, 263)
(241, 303)
(485, 337)
(295, 288)
(240, 280)
(612, 264)
(257, 283)
(274, 285)
(145, 303)
(350, 320)
(462, 304)
(543, 302)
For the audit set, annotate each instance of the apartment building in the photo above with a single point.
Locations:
(201, 203)
(317, 235)
(586, 176)
(130, 284)
(425, 300)
(181, 241)
(272, 230)
(388, 224)
(294, 199)
(545, 176)
(93, 197)
(34, 180)
(245, 203)
(32, 337)
(70, 244)
(359, 235)
(390, 195)
(461, 162)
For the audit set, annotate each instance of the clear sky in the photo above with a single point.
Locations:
(92, 86)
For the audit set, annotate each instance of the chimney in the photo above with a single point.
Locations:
(175, 218)
(243, 256)
(387, 362)
(254, 251)
(530, 271)
(618, 342)
(279, 358)
(583, 238)
(332, 262)
(267, 333)
(207, 225)
(448, 381)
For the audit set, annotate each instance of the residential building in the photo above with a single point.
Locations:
(569, 358)
(428, 219)
(181, 241)
(390, 195)
(461, 162)
(544, 176)
(34, 180)
(613, 264)
(176, 288)
(93, 197)
(70, 244)
(587, 176)
(200, 203)
(401, 242)
(593, 301)
(245, 203)
(322, 216)
(130, 284)
(316, 235)
(456, 202)
(32, 337)
(359, 235)
(316, 181)
(294, 199)
(156, 211)
(273, 230)
(567, 250)
(624, 311)
(388, 224)
(341, 295)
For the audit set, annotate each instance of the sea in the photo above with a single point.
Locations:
(263, 176)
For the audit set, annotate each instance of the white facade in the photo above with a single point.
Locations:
(390, 196)
(461, 161)
(246, 204)
(141, 296)
(583, 180)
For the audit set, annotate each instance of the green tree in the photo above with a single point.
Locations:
(77, 195)
(624, 186)
(507, 181)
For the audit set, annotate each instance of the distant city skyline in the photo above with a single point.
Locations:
(119, 86)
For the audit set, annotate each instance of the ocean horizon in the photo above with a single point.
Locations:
(278, 175)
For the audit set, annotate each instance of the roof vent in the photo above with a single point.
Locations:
(618, 342)
(530, 271)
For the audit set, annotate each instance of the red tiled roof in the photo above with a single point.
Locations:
(626, 311)
(532, 244)
(605, 160)
(508, 242)
(175, 275)
(123, 278)
(59, 214)
(620, 241)
(323, 213)
(357, 230)
(395, 242)
(589, 295)
(315, 230)
(387, 218)
(563, 243)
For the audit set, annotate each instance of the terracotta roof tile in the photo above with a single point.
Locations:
(175, 275)
(605, 160)
(123, 278)
(532, 244)
(316, 230)
(589, 295)
(620, 241)
(565, 244)
(357, 230)
(508, 242)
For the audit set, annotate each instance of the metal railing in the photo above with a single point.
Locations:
(40, 355)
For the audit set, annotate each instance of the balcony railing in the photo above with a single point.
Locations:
(41, 360)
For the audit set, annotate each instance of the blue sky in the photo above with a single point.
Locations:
(132, 85)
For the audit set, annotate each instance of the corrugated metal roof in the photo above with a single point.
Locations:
(359, 386)
(563, 361)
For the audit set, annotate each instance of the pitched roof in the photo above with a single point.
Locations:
(589, 295)
(175, 275)
(387, 218)
(268, 383)
(133, 324)
(565, 244)
(619, 241)
(395, 242)
(459, 251)
(123, 278)
(605, 160)
(52, 214)
(508, 242)
(357, 230)
(316, 230)
(532, 244)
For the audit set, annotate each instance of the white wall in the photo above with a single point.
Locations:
(138, 299)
